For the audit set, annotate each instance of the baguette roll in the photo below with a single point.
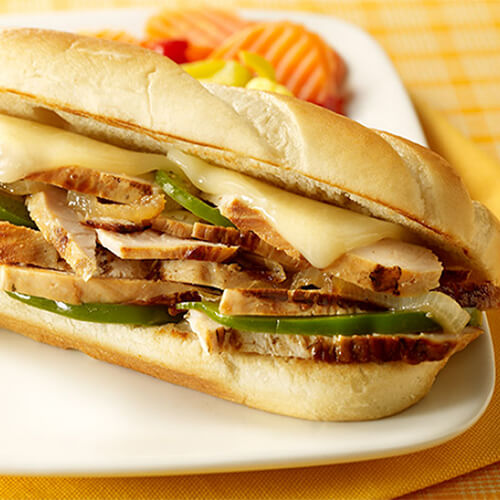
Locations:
(139, 100)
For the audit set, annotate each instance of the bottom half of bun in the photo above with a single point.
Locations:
(306, 389)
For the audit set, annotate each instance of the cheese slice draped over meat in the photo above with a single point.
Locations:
(319, 231)
(51, 147)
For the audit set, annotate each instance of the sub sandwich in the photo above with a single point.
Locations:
(241, 243)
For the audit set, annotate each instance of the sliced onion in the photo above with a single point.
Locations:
(90, 207)
(312, 276)
(22, 187)
(180, 215)
(440, 307)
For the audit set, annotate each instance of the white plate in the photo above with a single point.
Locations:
(65, 413)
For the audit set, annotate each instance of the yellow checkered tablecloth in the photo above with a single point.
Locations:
(448, 55)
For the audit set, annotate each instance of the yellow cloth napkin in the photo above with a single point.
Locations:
(480, 171)
(448, 55)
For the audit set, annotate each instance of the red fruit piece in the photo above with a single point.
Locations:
(173, 49)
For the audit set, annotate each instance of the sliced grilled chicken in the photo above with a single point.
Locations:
(469, 291)
(112, 187)
(61, 226)
(152, 245)
(389, 266)
(280, 302)
(247, 240)
(118, 226)
(247, 218)
(215, 275)
(71, 289)
(268, 269)
(110, 266)
(22, 245)
(408, 348)
(172, 227)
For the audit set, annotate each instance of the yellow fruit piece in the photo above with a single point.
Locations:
(260, 66)
(231, 73)
(260, 83)
(203, 69)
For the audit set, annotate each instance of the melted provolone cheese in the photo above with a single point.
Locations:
(27, 147)
(319, 231)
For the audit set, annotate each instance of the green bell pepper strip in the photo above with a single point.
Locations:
(387, 322)
(13, 210)
(102, 313)
(172, 184)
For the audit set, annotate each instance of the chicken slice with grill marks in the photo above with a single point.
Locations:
(389, 266)
(409, 348)
(247, 218)
(367, 280)
(61, 226)
(152, 245)
(264, 267)
(217, 275)
(172, 227)
(116, 225)
(105, 185)
(22, 245)
(280, 302)
(469, 290)
(247, 240)
(110, 266)
(71, 289)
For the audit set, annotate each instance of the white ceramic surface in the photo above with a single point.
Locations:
(65, 413)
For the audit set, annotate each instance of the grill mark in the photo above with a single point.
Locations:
(381, 349)
(306, 297)
(358, 348)
(62, 240)
(386, 279)
(116, 226)
(170, 299)
(246, 240)
(85, 180)
(468, 292)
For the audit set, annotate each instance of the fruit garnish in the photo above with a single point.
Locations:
(204, 29)
(260, 66)
(303, 62)
(175, 49)
(261, 83)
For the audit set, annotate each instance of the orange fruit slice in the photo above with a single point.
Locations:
(202, 29)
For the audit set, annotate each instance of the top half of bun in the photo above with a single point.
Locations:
(141, 100)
